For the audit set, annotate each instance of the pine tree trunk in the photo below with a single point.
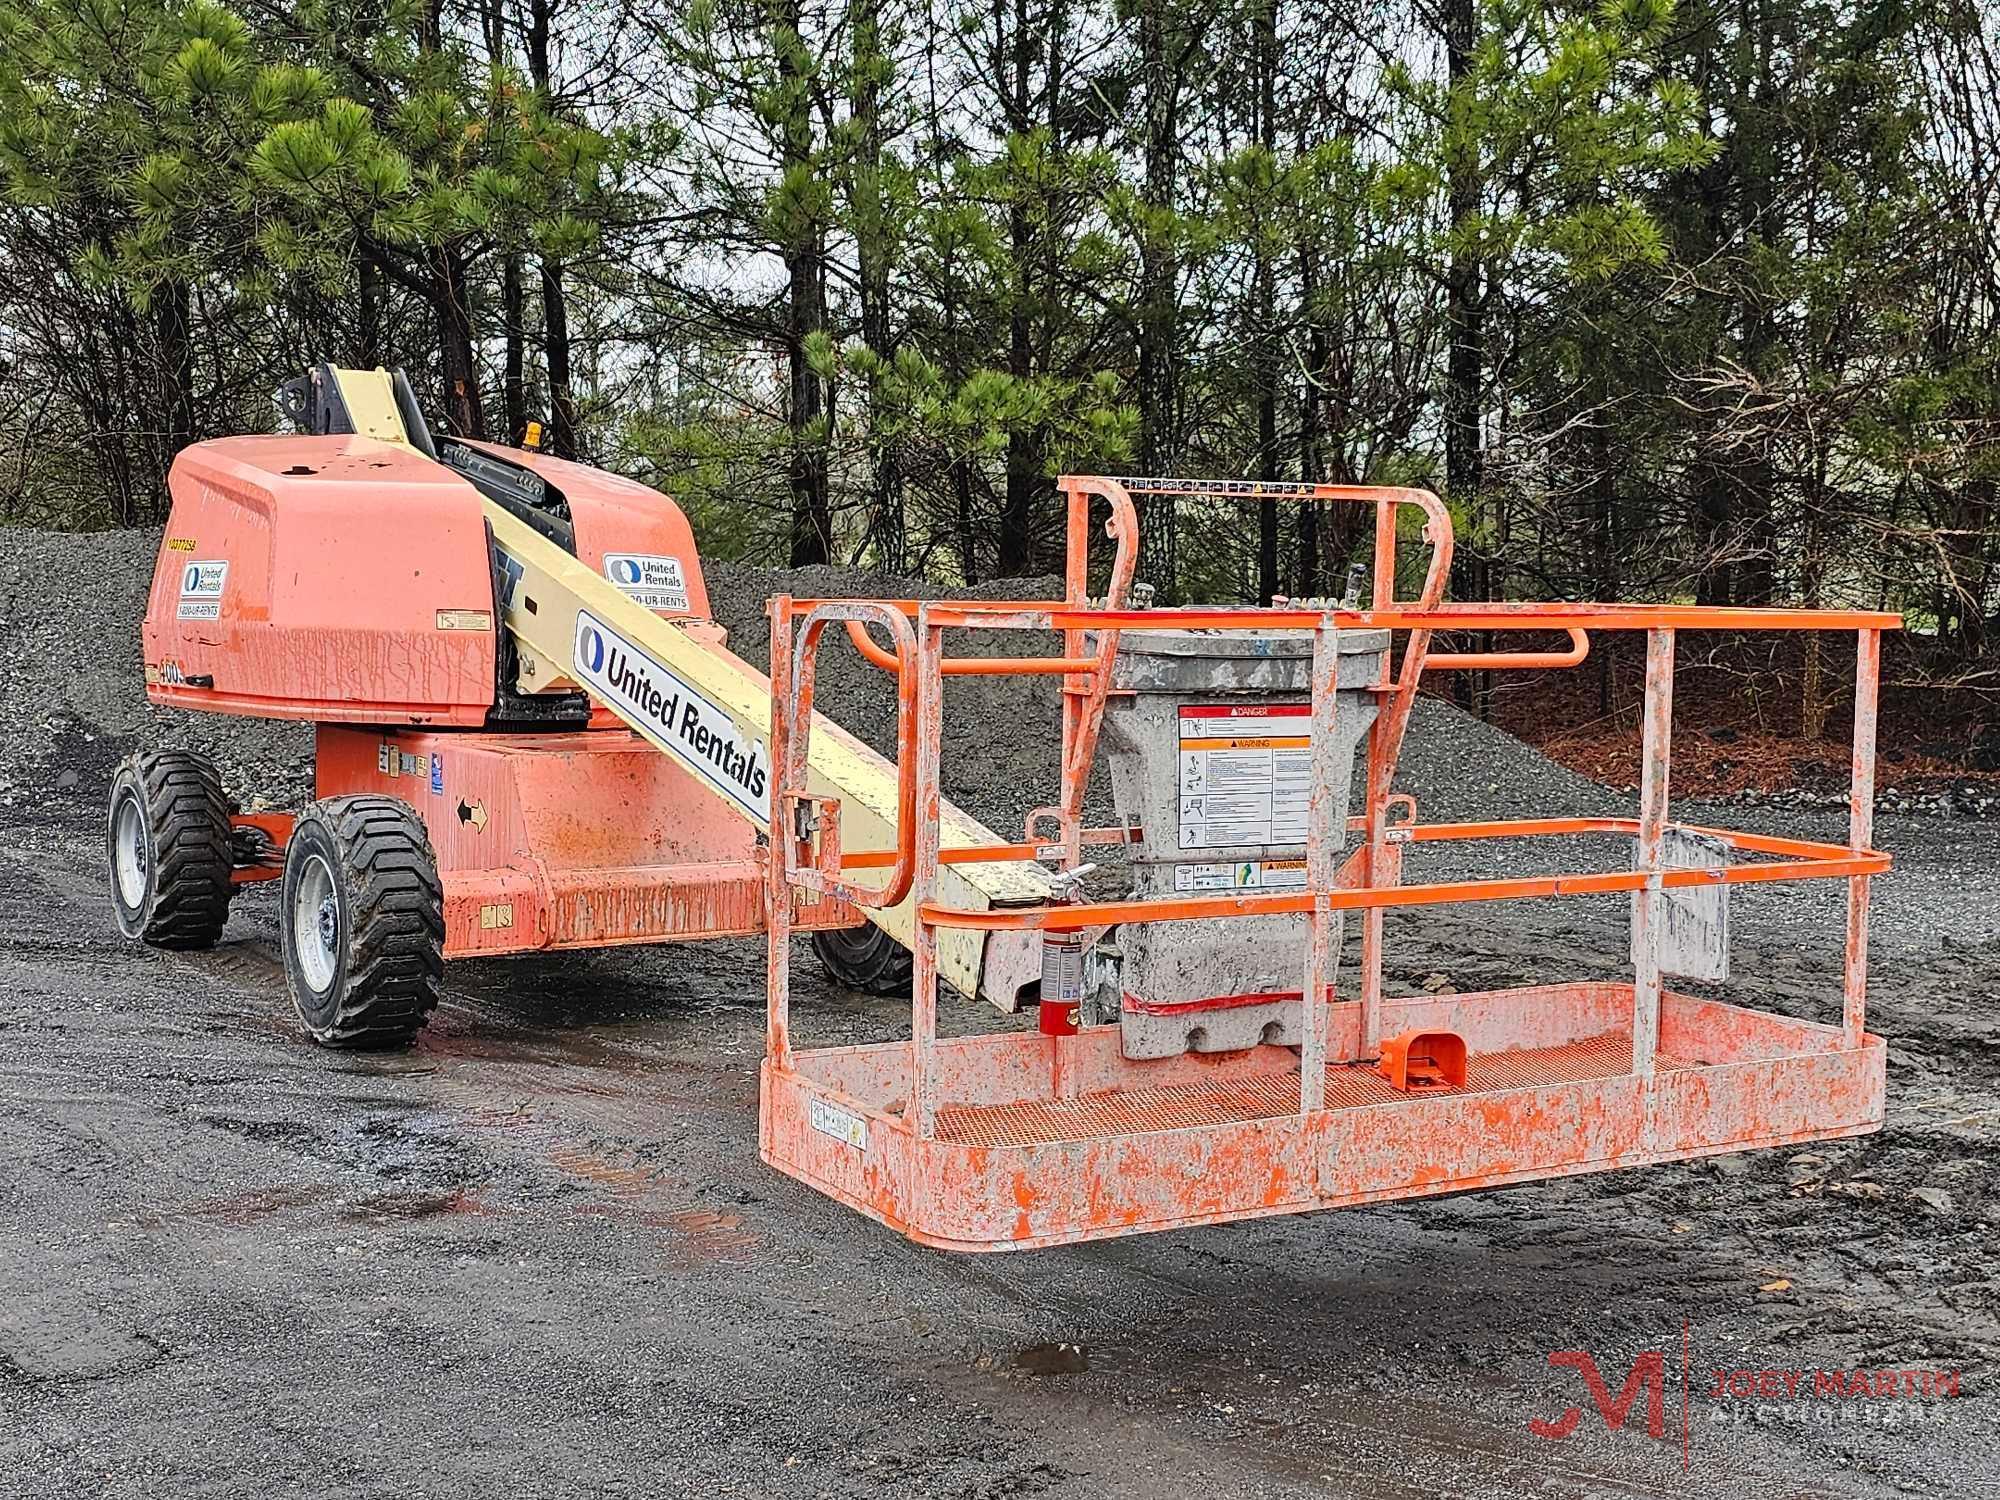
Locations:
(968, 549)
(1023, 451)
(172, 318)
(1757, 170)
(514, 382)
(555, 348)
(804, 253)
(1464, 311)
(1267, 310)
(1701, 197)
(1023, 448)
(1158, 392)
(1465, 358)
(464, 416)
(872, 256)
(812, 515)
(1312, 466)
(561, 439)
(368, 326)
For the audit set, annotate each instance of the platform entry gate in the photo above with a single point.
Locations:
(1213, 1062)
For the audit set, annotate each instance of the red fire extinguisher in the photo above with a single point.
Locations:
(1062, 959)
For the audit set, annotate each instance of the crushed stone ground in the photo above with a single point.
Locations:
(540, 1250)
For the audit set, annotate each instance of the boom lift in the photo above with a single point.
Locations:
(530, 734)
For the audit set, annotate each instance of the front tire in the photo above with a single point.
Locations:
(168, 852)
(363, 921)
(867, 959)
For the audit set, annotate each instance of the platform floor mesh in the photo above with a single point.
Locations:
(1223, 1101)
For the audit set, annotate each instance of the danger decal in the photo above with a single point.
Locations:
(1245, 777)
(653, 696)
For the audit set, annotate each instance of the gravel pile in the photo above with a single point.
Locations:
(73, 691)
(1002, 744)
(72, 703)
(1002, 735)
(74, 697)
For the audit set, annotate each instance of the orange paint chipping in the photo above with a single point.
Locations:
(1018, 1140)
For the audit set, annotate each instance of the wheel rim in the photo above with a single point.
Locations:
(316, 924)
(131, 862)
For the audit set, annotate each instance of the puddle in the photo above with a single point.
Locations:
(382, 1208)
(240, 1210)
(1052, 1359)
(697, 1235)
(592, 1167)
(711, 1234)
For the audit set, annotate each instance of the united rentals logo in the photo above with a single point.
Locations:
(657, 582)
(672, 712)
(201, 590)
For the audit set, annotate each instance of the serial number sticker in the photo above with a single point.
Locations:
(654, 581)
(829, 1119)
(391, 761)
(201, 590)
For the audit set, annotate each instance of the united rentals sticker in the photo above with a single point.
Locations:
(653, 697)
(201, 590)
(656, 582)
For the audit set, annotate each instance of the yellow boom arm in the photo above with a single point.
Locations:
(675, 685)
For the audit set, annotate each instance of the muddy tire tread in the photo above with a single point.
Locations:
(188, 822)
(882, 966)
(394, 971)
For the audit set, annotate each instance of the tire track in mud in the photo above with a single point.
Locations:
(568, 1106)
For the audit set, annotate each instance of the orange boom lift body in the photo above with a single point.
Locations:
(530, 733)
(359, 595)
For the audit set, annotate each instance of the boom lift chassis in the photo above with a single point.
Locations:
(1032, 1138)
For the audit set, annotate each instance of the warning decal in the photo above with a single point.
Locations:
(201, 590)
(1242, 875)
(831, 1119)
(656, 582)
(1245, 775)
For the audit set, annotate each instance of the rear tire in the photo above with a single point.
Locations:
(167, 850)
(867, 959)
(363, 922)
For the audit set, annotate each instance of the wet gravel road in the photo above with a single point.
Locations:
(539, 1256)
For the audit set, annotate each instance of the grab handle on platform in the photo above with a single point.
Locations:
(1579, 648)
(822, 876)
